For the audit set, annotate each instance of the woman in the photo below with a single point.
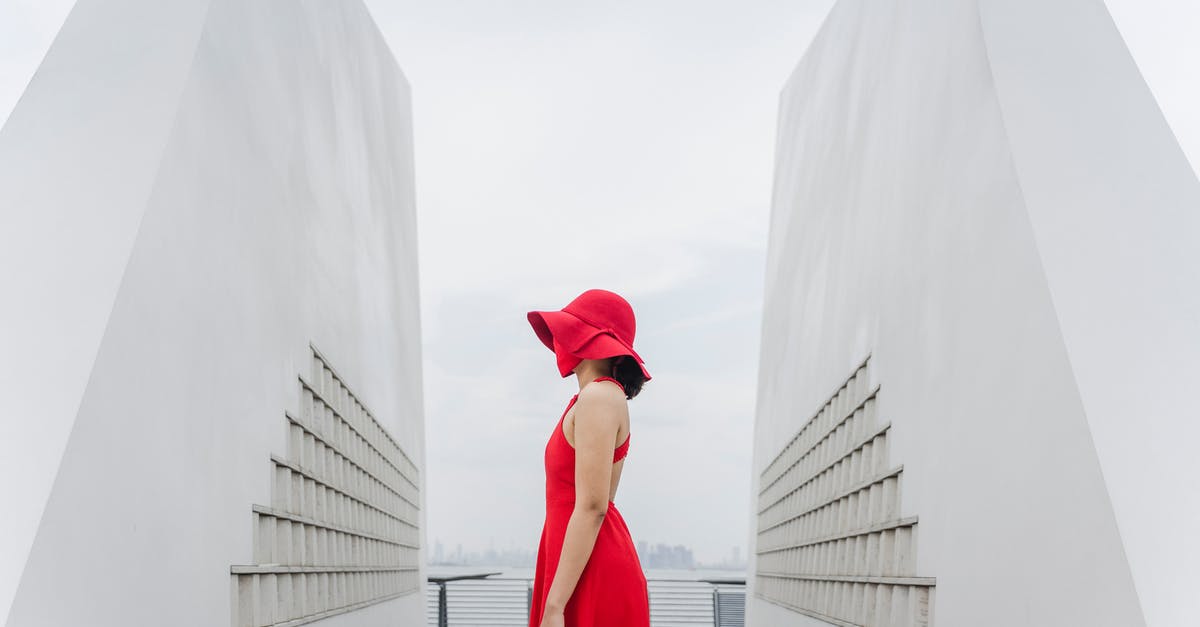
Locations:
(588, 572)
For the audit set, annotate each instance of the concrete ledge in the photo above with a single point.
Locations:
(278, 569)
(838, 495)
(309, 473)
(267, 511)
(881, 429)
(333, 405)
(877, 579)
(891, 524)
(309, 428)
(832, 427)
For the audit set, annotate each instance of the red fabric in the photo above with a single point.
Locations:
(596, 325)
(612, 588)
(566, 361)
(619, 454)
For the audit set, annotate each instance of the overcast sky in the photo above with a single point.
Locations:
(626, 145)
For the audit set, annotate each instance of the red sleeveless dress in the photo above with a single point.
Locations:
(612, 587)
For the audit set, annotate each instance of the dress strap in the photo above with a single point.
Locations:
(610, 379)
(622, 450)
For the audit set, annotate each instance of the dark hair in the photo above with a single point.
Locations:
(629, 373)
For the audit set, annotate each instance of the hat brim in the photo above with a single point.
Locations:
(573, 334)
(537, 319)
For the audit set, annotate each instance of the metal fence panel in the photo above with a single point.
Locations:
(497, 602)
(680, 603)
(730, 605)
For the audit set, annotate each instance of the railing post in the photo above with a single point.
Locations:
(529, 598)
(442, 581)
(443, 613)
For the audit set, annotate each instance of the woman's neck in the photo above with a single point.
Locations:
(588, 373)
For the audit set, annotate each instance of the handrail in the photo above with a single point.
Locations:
(443, 611)
(720, 587)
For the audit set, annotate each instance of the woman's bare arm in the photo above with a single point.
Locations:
(599, 411)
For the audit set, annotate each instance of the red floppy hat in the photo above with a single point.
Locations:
(596, 325)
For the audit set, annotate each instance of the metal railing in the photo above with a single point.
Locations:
(484, 599)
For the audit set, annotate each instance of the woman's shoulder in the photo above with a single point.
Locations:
(603, 392)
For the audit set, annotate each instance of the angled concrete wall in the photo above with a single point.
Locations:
(195, 196)
(978, 207)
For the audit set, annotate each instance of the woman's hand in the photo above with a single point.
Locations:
(553, 618)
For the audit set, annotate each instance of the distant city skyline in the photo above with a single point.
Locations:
(657, 555)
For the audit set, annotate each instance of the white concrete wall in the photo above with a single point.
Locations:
(191, 193)
(984, 197)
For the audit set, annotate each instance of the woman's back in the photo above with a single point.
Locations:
(612, 587)
(619, 450)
